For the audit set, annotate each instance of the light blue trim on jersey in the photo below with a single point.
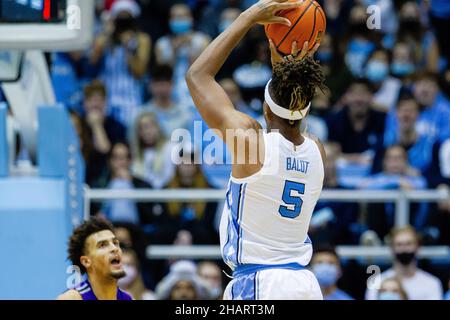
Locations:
(244, 288)
(248, 269)
(230, 250)
(241, 214)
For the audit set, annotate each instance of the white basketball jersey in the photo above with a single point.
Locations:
(266, 216)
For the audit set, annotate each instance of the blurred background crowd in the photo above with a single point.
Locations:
(384, 122)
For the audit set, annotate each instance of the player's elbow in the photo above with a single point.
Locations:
(191, 75)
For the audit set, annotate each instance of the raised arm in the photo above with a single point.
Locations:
(211, 100)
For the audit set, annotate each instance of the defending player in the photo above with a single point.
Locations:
(269, 201)
(94, 248)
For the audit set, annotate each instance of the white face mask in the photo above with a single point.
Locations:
(130, 275)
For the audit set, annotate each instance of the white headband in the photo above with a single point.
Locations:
(283, 112)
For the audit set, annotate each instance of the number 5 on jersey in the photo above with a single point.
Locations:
(291, 199)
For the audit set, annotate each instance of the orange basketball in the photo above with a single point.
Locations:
(308, 23)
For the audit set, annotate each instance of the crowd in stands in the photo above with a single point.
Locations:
(384, 121)
(385, 124)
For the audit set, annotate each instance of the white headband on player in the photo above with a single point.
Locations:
(283, 112)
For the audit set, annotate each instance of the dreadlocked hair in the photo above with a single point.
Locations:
(294, 83)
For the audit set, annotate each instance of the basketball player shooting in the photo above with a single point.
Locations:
(269, 202)
(94, 248)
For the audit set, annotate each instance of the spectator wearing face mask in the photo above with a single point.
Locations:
(392, 289)
(418, 284)
(196, 217)
(133, 282)
(326, 267)
(403, 64)
(182, 283)
(360, 42)
(211, 274)
(181, 47)
(123, 56)
(386, 88)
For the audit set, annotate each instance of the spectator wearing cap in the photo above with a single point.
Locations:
(171, 114)
(418, 284)
(123, 55)
(326, 267)
(182, 283)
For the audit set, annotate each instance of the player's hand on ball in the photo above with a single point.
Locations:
(264, 11)
(305, 52)
(276, 57)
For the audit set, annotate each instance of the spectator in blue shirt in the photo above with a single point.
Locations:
(123, 55)
(396, 174)
(326, 267)
(434, 111)
(69, 72)
(360, 43)
(419, 147)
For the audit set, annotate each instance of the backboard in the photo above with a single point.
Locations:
(48, 25)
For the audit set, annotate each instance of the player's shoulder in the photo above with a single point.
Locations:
(317, 141)
(70, 295)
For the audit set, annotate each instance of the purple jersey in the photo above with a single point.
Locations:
(86, 292)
